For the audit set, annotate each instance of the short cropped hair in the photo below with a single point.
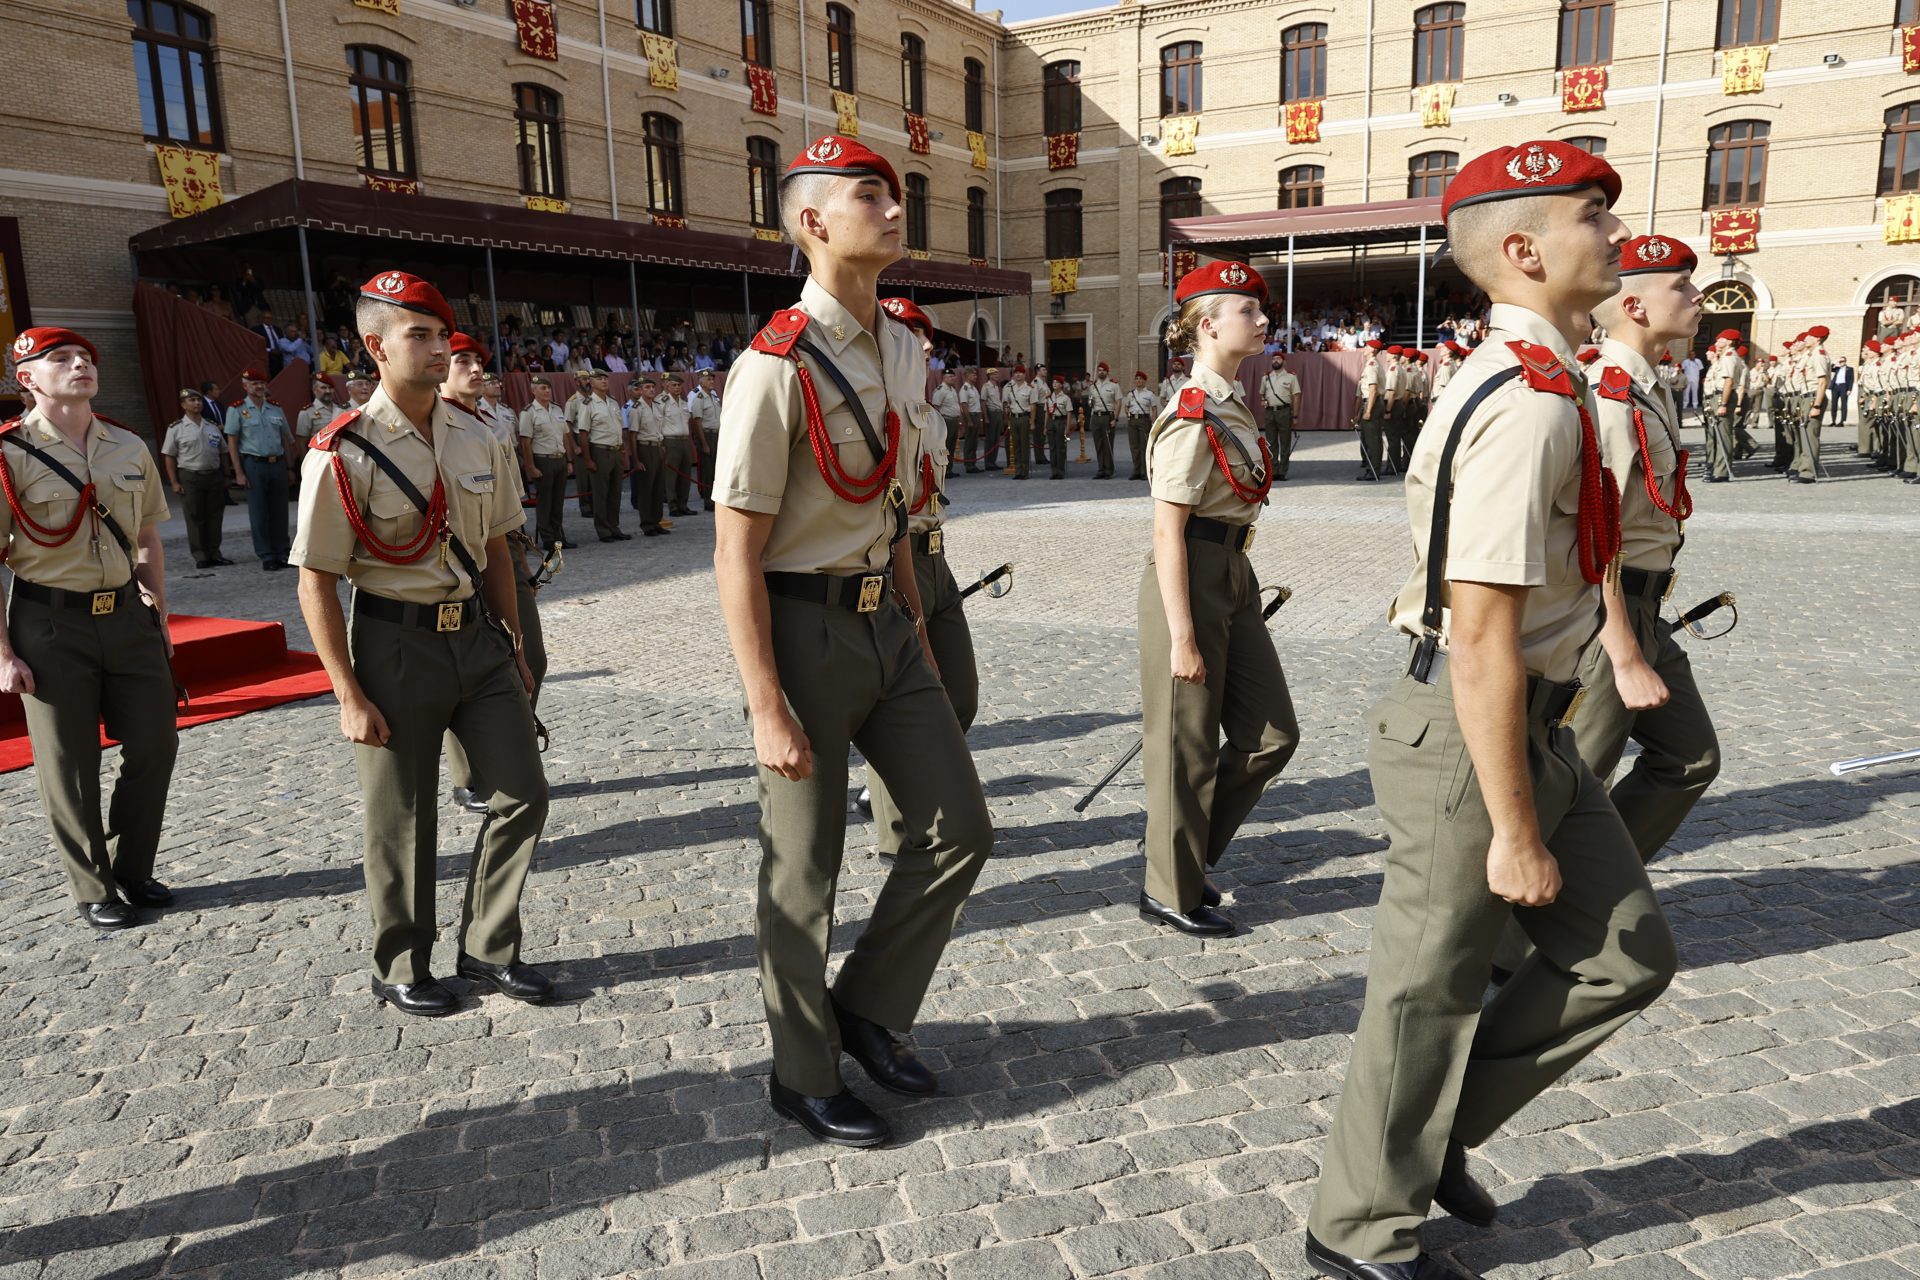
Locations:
(1475, 232)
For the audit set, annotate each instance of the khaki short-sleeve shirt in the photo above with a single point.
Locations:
(599, 418)
(647, 421)
(703, 407)
(766, 463)
(946, 400)
(1648, 538)
(1103, 396)
(990, 395)
(1020, 397)
(546, 427)
(482, 502)
(125, 478)
(1516, 499)
(195, 445)
(1181, 466)
(673, 415)
(933, 447)
(1369, 379)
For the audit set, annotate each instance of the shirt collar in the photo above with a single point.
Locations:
(1613, 351)
(44, 427)
(832, 316)
(382, 410)
(1216, 387)
(1531, 325)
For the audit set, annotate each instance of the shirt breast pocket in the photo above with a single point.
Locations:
(1661, 459)
(391, 515)
(50, 500)
(124, 500)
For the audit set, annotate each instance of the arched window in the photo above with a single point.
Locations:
(1439, 43)
(976, 222)
(1302, 187)
(1060, 97)
(1736, 164)
(1303, 62)
(1902, 291)
(1063, 223)
(1900, 151)
(1589, 143)
(173, 61)
(1586, 33)
(840, 49)
(916, 211)
(1429, 173)
(382, 110)
(1179, 198)
(1745, 22)
(536, 113)
(654, 15)
(1180, 79)
(756, 32)
(763, 182)
(665, 190)
(976, 75)
(1725, 297)
(913, 73)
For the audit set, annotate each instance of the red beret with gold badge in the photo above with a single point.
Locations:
(908, 313)
(34, 343)
(1529, 169)
(403, 289)
(1644, 254)
(467, 344)
(1220, 277)
(843, 158)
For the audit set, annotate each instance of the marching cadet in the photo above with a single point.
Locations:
(993, 408)
(469, 384)
(1279, 394)
(600, 438)
(1717, 405)
(1815, 372)
(1744, 412)
(1142, 407)
(1371, 403)
(1020, 404)
(972, 425)
(1207, 666)
(703, 411)
(86, 644)
(260, 445)
(818, 587)
(547, 446)
(1451, 354)
(647, 430)
(433, 645)
(1103, 409)
(1418, 399)
(676, 435)
(1869, 396)
(191, 453)
(1059, 411)
(1492, 813)
(945, 400)
(1393, 384)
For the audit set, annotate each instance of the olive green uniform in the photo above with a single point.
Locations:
(1814, 371)
(851, 678)
(1280, 396)
(1059, 413)
(1429, 1064)
(426, 680)
(197, 448)
(1200, 789)
(1020, 397)
(544, 427)
(97, 656)
(1372, 379)
(1103, 409)
(1142, 407)
(597, 418)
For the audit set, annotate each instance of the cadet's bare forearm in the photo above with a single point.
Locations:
(150, 567)
(327, 625)
(739, 538)
(1490, 700)
(905, 581)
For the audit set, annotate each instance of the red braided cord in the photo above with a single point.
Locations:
(41, 534)
(856, 489)
(927, 488)
(1682, 508)
(431, 525)
(1599, 507)
(1240, 491)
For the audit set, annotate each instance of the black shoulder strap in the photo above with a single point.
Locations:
(854, 403)
(61, 469)
(1443, 518)
(1253, 466)
(412, 493)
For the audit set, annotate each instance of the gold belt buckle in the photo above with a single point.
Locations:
(871, 588)
(451, 617)
(103, 602)
(1246, 541)
(936, 541)
(1566, 717)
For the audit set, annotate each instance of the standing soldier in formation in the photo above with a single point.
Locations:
(1394, 383)
(1280, 397)
(1891, 320)
(993, 408)
(412, 501)
(1417, 399)
(1103, 409)
(86, 645)
(1208, 670)
(1059, 410)
(1042, 388)
(1142, 407)
(703, 411)
(260, 444)
(359, 391)
(1371, 406)
(495, 413)
(1716, 401)
(191, 453)
(1177, 375)
(1492, 814)
(946, 400)
(1451, 354)
(646, 435)
(1021, 400)
(818, 588)
(600, 439)
(676, 435)
(1815, 372)
(315, 416)
(972, 425)
(1744, 411)
(547, 446)
(1869, 396)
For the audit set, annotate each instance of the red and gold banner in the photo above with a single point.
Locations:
(1063, 275)
(1175, 266)
(539, 32)
(389, 7)
(918, 141)
(671, 221)
(766, 233)
(192, 179)
(1063, 150)
(663, 60)
(977, 263)
(977, 147)
(1583, 89)
(1303, 121)
(765, 89)
(1910, 49)
(1179, 135)
(920, 255)
(1744, 70)
(846, 113)
(1735, 231)
(547, 204)
(393, 186)
(1902, 224)
(1436, 105)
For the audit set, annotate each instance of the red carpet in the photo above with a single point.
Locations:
(230, 667)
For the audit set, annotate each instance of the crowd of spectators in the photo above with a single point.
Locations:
(1349, 324)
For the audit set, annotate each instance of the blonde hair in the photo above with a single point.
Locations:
(1183, 331)
(1475, 234)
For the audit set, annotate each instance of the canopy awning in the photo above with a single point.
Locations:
(1319, 227)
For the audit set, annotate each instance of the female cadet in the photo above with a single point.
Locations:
(1207, 665)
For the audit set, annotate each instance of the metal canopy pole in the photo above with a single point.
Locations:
(1289, 317)
(313, 315)
(633, 300)
(1420, 297)
(493, 317)
(977, 361)
(746, 297)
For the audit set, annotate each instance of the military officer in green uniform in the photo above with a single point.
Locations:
(192, 455)
(1491, 812)
(1279, 396)
(1020, 402)
(433, 644)
(260, 444)
(548, 445)
(1816, 371)
(703, 412)
(82, 646)
(601, 439)
(1103, 409)
(1142, 407)
(818, 588)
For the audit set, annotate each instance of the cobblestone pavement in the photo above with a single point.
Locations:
(216, 1094)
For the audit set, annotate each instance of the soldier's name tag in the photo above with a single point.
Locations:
(451, 616)
(936, 542)
(871, 588)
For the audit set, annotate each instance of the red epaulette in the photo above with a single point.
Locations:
(10, 424)
(237, 403)
(1193, 404)
(1542, 370)
(323, 438)
(1614, 383)
(781, 333)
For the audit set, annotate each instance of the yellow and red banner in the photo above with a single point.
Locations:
(764, 88)
(539, 31)
(671, 221)
(547, 204)
(977, 263)
(1063, 150)
(766, 233)
(1744, 70)
(1735, 231)
(1583, 89)
(1175, 266)
(393, 186)
(1902, 223)
(192, 179)
(918, 140)
(1436, 105)
(1303, 121)
(846, 112)
(977, 146)
(663, 60)
(920, 255)
(389, 7)
(1063, 275)
(1910, 49)
(1179, 134)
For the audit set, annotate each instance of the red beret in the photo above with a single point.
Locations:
(1530, 169)
(1644, 254)
(1727, 335)
(1773, 359)
(1019, 368)
(1373, 344)
(34, 343)
(1396, 350)
(411, 292)
(1102, 367)
(908, 313)
(1741, 349)
(467, 344)
(1589, 355)
(1821, 332)
(1873, 345)
(1220, 277)
(1142, 375)
(1421, 356)
(252, 374)
(1454, 347)
(843, 158)
(1667, 358)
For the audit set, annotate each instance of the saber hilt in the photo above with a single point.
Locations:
(988, 579)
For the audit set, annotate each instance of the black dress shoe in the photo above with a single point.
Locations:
(652, 533)
(1367, 478)
(203, 564)
(623, 537)
(607, 537)
(147, 893)
(891, 1064)
(111, 914)
(465, 798)
(426, 999)
(1341, 1267)
(221, 560)
(568, 544)
(1202, 921)
(1209, 896)
(843, 1119)
(1459, 1194)
(521, 981)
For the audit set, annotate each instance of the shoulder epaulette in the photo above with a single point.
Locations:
(1193, 404)
(112, 423)
(782, 331)
(237, 403)
(1614, 383)
(1542, 370)
(11, 424)
(324, 437)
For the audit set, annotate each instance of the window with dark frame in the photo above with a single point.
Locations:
(841, 72)
(536, 113)
(382, 110)
(1736, 164)
(916, 213)
(1303, 62)
(977, 223)
(1063, 223)
(173, 62)
(666, 193)
(1060, 97)
(1439, 43)
(1589, 143)
(1302, 187)
(1586, 33)
(913, 73)
(1900, 151)
(1180, 79)
(763, 183)
(1429, 173)
(756, 32)
(976, 95)
(655, 16)
(1179, 198)
(1747, 22)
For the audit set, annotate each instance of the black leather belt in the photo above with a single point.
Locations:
(863, 592)
(448, 615)
(1646, 583)
(1235, 537)
(263, 457)
(98, 603)
(1548, 701)
(931, 543)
